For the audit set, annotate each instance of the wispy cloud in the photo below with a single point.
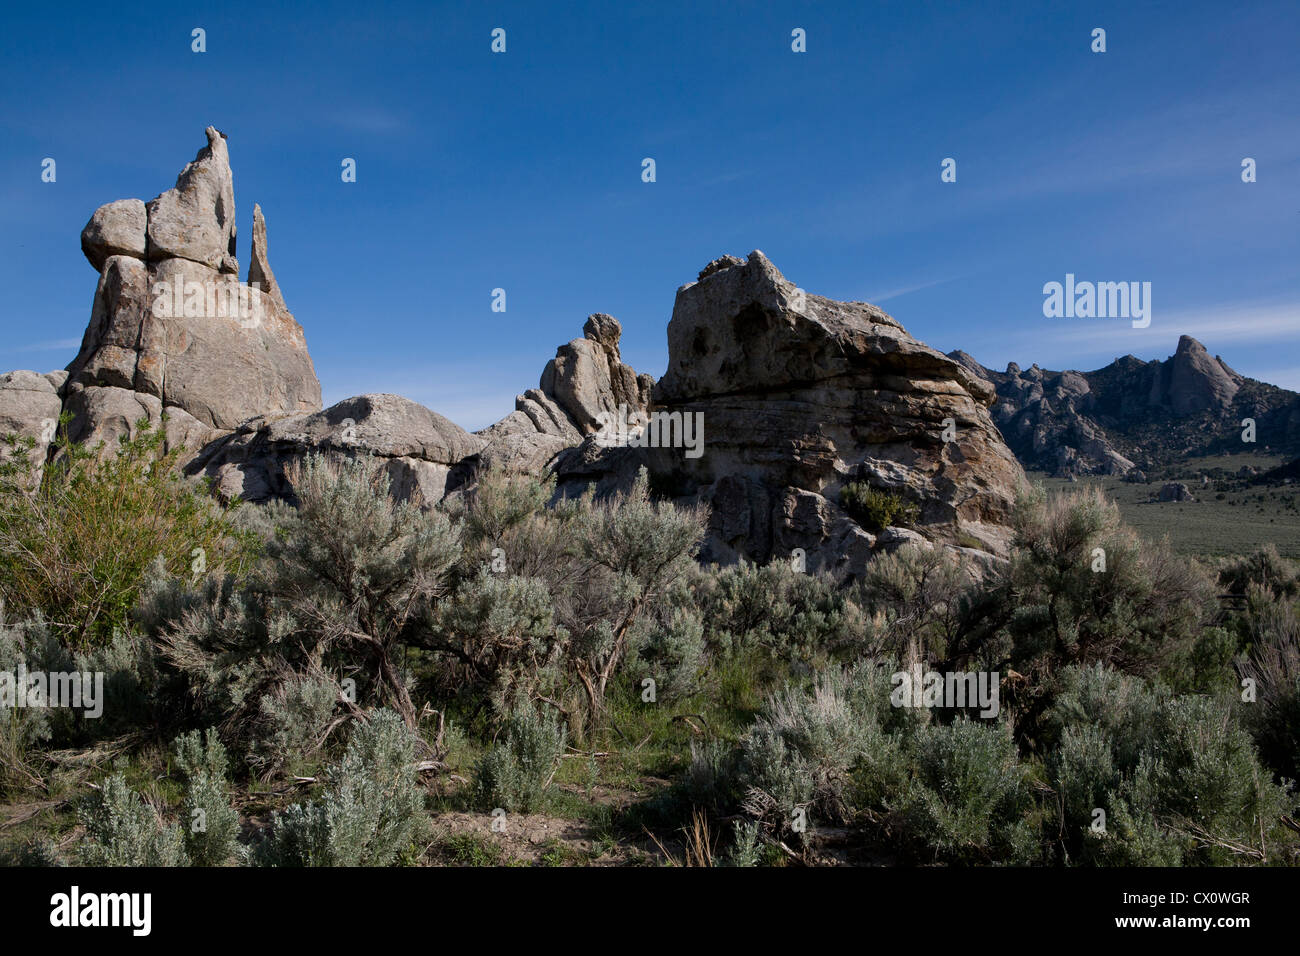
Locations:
(908, 290)
(1257, 322)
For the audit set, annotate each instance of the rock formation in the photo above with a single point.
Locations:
(173, 329)
(259, 268)
(1134, 415)
(801, 395)
(1045, 418)
(586, 377)
(195, 220)
(1175, 491)
(1191, 381)
(795, 396)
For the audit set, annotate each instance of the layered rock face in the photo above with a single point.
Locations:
(586, 377)
(800, 395)
(173, 329)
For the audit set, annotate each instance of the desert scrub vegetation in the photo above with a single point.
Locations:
(1127, 733)
(371, 809)
(77, 547)
(353, 680)
(515, 772)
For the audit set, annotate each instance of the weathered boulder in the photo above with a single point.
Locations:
(425, 454)
(29, 408)
(1175, 491)
(195, 219)
(110, 346)
(800, 395)
(116, 229)
(108, 414)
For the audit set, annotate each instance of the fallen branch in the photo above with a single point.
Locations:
(686, 718)
(24, 812)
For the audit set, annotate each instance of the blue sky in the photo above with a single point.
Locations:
(522, 171)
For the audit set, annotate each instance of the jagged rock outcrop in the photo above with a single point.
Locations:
(259, 267)
(425, 454)
(586, 377)
(1133, 414)
(1044, 416)
(173, 327)
(195, 219)
(795, 396)
(800, 395)
(1192, 381)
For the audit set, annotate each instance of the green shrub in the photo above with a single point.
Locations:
(802, 752)
(499, 502)
(1210, 782)
(794, 615)
(369, 813)
(745, 849)
(515, 773)
(121, 679)
(1273, 663)
(1122, 707)
(1177, 776)
(917, 600)
(631, 551)
(77, 549)
(1055, 606)
(210, 822)
(1263, 567)
(876, 509)
(122, 830)
(348, 583)
(670, 650)
(969, 799)
(38, 851)
(294, 720)
(503, 625)
(713, 778)
(22, 729)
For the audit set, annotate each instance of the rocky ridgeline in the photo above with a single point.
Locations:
(798, 395)
(1133, 415)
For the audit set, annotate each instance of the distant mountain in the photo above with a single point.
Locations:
(1134, 415)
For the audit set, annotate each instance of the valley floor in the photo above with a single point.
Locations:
(1229, 517)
